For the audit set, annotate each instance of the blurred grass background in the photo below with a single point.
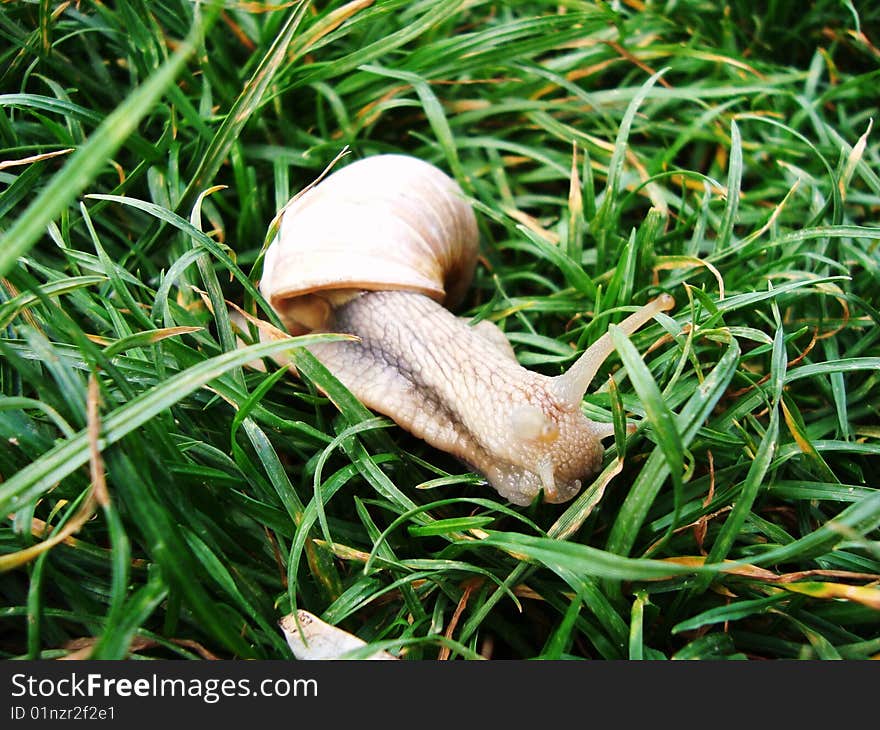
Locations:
(161, 500)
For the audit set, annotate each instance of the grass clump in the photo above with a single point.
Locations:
(160, 499)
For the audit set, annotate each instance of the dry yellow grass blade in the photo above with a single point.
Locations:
(4, 164)
(98, 495)
(868, 595)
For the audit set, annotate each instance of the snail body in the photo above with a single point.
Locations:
(457, 386)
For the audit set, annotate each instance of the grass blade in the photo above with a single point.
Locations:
(69, 455)
(85, 163)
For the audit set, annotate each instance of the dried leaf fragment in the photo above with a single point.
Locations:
(316, 639)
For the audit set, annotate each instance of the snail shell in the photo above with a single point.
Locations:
(389, 222)
(376, 250)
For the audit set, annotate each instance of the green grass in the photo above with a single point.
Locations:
(612, 151)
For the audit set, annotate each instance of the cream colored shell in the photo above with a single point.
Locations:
(383, 222)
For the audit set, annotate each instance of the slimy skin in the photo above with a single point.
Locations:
(460, 388)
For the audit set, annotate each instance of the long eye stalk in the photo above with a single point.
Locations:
(571, 386)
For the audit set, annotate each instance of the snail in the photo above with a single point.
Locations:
(380, 249)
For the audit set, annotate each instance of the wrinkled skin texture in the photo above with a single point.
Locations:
(459, 388)
(377, 250)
